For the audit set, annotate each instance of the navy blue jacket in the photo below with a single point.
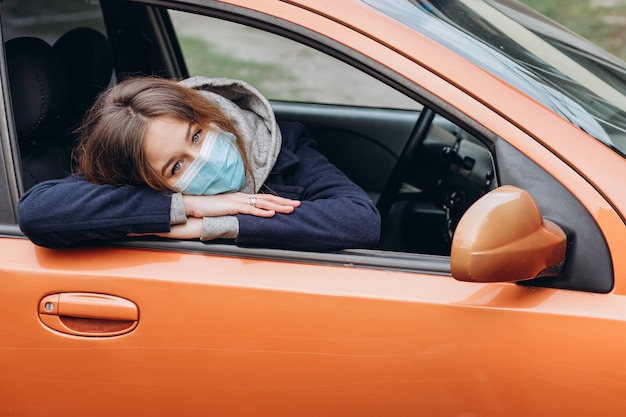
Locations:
(334, 213)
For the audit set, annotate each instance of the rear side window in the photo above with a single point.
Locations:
(63, 44)
(48, 20)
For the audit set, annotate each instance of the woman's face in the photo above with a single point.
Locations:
(171, 145)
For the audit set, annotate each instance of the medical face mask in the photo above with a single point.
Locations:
(217, 169)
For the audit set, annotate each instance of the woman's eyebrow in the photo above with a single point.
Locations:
(172, 159)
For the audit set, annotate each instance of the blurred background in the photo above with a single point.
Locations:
(283, 69)
(601, 21)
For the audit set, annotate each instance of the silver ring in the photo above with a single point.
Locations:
(252, 201)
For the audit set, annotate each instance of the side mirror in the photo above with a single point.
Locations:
(502, 237)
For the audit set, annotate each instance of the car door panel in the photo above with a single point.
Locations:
(363, 142)
(225, 335)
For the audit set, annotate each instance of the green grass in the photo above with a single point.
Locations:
(593, 23)
(202, 59)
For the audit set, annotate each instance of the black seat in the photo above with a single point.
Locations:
(39, 87)
(88, 59)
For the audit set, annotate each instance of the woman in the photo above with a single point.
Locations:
(203, 158)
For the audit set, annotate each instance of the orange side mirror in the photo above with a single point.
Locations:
(502, 237)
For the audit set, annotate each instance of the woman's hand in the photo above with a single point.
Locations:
(197, 207)
(192, 229)
(262, 205)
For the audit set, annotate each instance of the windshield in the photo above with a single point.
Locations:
(571, 76)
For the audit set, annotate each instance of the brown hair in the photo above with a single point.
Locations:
(110, 143)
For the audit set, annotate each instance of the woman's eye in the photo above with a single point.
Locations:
(177, 166)
(196, 137)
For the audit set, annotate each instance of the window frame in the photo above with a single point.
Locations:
(11, 187)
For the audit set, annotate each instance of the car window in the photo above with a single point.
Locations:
(283, 69)
(48, 20)
(361, 125)
(64, 46)
(569, 75)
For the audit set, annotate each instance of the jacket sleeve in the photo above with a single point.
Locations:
(334, 213)
(63, 212)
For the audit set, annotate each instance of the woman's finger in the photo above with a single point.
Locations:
(272, 203)
(278, 200)
(264, 205)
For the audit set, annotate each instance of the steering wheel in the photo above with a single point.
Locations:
(398, 174)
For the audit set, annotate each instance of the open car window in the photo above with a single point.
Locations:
(361, 124)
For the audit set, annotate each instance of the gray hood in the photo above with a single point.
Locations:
(254, 118)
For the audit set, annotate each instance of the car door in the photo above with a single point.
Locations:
(148, 326)
(131, 328)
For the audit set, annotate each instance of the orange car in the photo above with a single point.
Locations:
(492, 140)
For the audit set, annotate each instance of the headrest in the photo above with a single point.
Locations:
(38, 81)
(88, 58)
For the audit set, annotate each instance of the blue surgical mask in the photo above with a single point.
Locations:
(217, 169)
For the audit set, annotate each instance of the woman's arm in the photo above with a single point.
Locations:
(262, 205)
(69, 211)
(212, 217)
(64, 212)
(334, 212)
